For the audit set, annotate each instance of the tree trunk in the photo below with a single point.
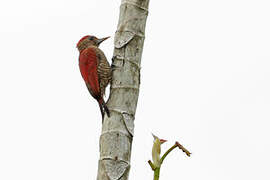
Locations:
(117, 131)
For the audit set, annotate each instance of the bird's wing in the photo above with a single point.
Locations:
(88, 67)
(104, 70)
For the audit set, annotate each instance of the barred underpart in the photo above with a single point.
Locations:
(104, 71)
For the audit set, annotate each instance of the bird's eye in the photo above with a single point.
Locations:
(91, 38)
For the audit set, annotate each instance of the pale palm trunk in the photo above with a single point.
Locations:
(117, 131)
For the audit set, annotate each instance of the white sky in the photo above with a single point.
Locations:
(204, 82)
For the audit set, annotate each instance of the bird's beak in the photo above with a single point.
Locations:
(99, 41)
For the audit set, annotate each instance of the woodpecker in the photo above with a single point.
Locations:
(156, 150)
(95, 69)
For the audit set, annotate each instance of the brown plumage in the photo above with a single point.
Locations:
(95, 69)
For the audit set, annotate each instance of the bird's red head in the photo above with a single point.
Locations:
(89, 40)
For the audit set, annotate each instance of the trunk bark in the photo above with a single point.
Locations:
(118, 130)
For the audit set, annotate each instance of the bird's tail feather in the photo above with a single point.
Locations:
(101, 110)
(106, 110)
(103, 107)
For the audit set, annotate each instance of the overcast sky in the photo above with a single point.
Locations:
(205, 81)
